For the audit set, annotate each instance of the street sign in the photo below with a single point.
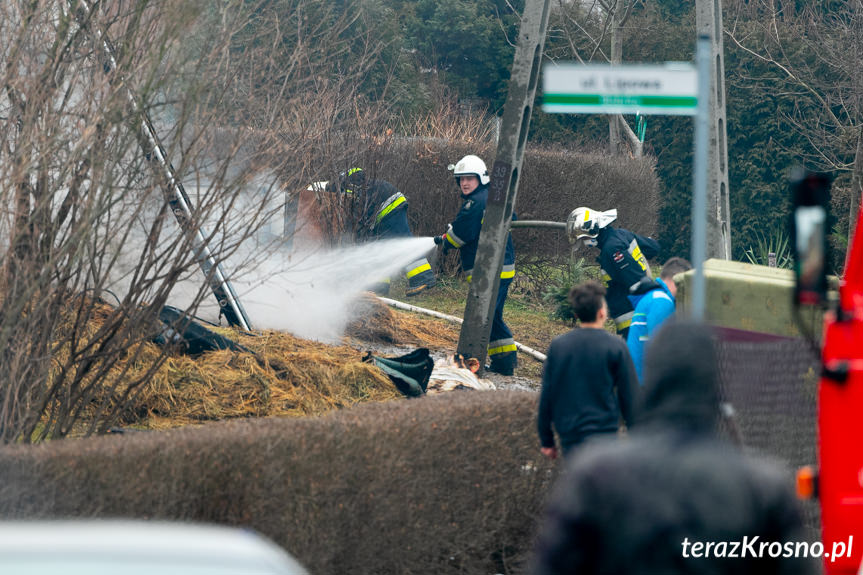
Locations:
(668, 89)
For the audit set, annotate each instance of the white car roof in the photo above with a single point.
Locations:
(96, 546)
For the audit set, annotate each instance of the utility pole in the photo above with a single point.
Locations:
(482, 296)
(708, 20)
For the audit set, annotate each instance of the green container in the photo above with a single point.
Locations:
(749, 297)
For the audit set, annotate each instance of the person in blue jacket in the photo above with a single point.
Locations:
(471, 176)
(654, 307)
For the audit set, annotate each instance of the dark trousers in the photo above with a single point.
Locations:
(568, 448)
(499, 329)
(502, 352)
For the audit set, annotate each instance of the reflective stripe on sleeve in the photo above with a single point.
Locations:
(456, 241)
(389, 205)
(635, 251)
(507, 272)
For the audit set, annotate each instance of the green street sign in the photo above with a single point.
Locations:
(668, 89)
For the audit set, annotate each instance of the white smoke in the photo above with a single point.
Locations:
(312, 295)
(308, 290)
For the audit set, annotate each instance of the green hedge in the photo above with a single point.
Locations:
(452, 483)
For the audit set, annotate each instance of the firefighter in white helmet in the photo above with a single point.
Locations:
(472, 179)
(622, 258)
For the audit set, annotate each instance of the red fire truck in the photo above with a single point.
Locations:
(840, 390)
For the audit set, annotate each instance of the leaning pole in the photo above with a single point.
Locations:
(175, 194)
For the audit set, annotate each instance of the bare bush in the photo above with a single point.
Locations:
(449, 121)
(248, 98)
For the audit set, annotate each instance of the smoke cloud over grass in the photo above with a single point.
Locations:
(312, 294)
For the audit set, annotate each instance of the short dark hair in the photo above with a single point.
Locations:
(586, 300)
(673, 267)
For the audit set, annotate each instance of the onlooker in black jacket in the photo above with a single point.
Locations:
(641, 505)
(583, 370)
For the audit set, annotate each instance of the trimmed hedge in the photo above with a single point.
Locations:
(452, 483)
(552, 184)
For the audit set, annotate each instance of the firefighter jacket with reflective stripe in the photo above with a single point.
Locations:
(385, 215)
(623, 259)
(383, 211)
(463, 233)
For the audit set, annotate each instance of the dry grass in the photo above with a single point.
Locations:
(378, 323)
(288, 376)
(284, 376)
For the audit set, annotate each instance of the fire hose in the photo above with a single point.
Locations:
(408, 307)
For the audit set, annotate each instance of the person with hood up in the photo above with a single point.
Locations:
(622, 259)
(641, 505)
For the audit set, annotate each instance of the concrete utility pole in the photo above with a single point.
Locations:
(482, 296)
(708, 21)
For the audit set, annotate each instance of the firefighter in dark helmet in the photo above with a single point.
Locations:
(381, 212)
(471, 176)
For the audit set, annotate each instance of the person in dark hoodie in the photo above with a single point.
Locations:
(653, 503)
(588, 379)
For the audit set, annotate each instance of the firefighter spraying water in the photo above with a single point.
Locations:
(380, 211)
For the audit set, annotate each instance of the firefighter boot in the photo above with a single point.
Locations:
(420, 277)
(503, 363)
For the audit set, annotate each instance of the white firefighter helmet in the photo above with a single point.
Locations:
(471, 166)
(585, 223)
